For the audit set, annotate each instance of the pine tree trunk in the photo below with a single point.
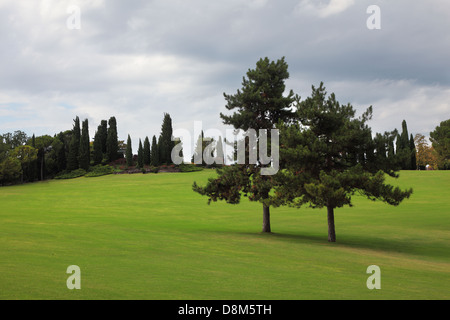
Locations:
(266, 219)
(331, 229)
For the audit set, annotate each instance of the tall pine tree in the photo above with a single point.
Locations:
(260, 104)
(318, 152)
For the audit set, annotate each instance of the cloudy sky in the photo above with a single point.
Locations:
(136, 60)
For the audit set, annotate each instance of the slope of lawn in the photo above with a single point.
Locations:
(148, 236)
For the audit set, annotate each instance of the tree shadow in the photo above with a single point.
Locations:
(353, 242)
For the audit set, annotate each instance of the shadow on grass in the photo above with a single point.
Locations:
(356, 242)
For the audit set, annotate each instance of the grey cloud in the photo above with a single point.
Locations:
(138, 59)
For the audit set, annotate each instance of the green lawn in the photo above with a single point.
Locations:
(150, 237)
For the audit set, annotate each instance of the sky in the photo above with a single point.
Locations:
(136, 60)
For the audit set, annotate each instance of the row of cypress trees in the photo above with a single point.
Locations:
(105, 147)
(156, 153)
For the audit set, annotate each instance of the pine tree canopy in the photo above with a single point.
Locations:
(329, 155)
(260, 103)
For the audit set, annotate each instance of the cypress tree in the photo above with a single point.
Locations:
(412, 147)
(140, 158)
(98, 154)
(84, 159)
(146, 151)
(112, 143)
(166, 144)
(154, 153)
(74, 146)
(129, 152)
(34, 166)
(103, 136)
(405, 146)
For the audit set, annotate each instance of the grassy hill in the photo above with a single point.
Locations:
(150, 237)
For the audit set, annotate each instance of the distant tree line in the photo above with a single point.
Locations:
(154, 153)
(25, 159)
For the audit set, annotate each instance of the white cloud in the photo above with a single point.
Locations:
(323, 10)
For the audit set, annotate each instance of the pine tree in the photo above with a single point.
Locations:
(316, 158)
(260, 104)
(84, 151)
(140, 158)
(129, 152)
(147, 157)
(74, 146)
(112, 143)
(154, 153)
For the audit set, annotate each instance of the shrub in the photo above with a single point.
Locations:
(71, 174)
(185, 167)
(99, 170)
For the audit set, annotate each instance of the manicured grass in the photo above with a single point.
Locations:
(150, 237)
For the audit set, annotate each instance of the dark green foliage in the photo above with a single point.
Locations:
(26, 156)
(154, 153)
(165, 143)
(97, 154)
(10, 170)
(440, 139)
(147, 157)
(140, 159)
(103, 135)
(61, 152)
(71, 174)
(405, 149)
(112, 142)
(260, 104)
(412, 147)
(99, 147)
(84, 159)
(187, 167)
(74, 146)
(129, 152)
(329, 155)
(99, 170)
